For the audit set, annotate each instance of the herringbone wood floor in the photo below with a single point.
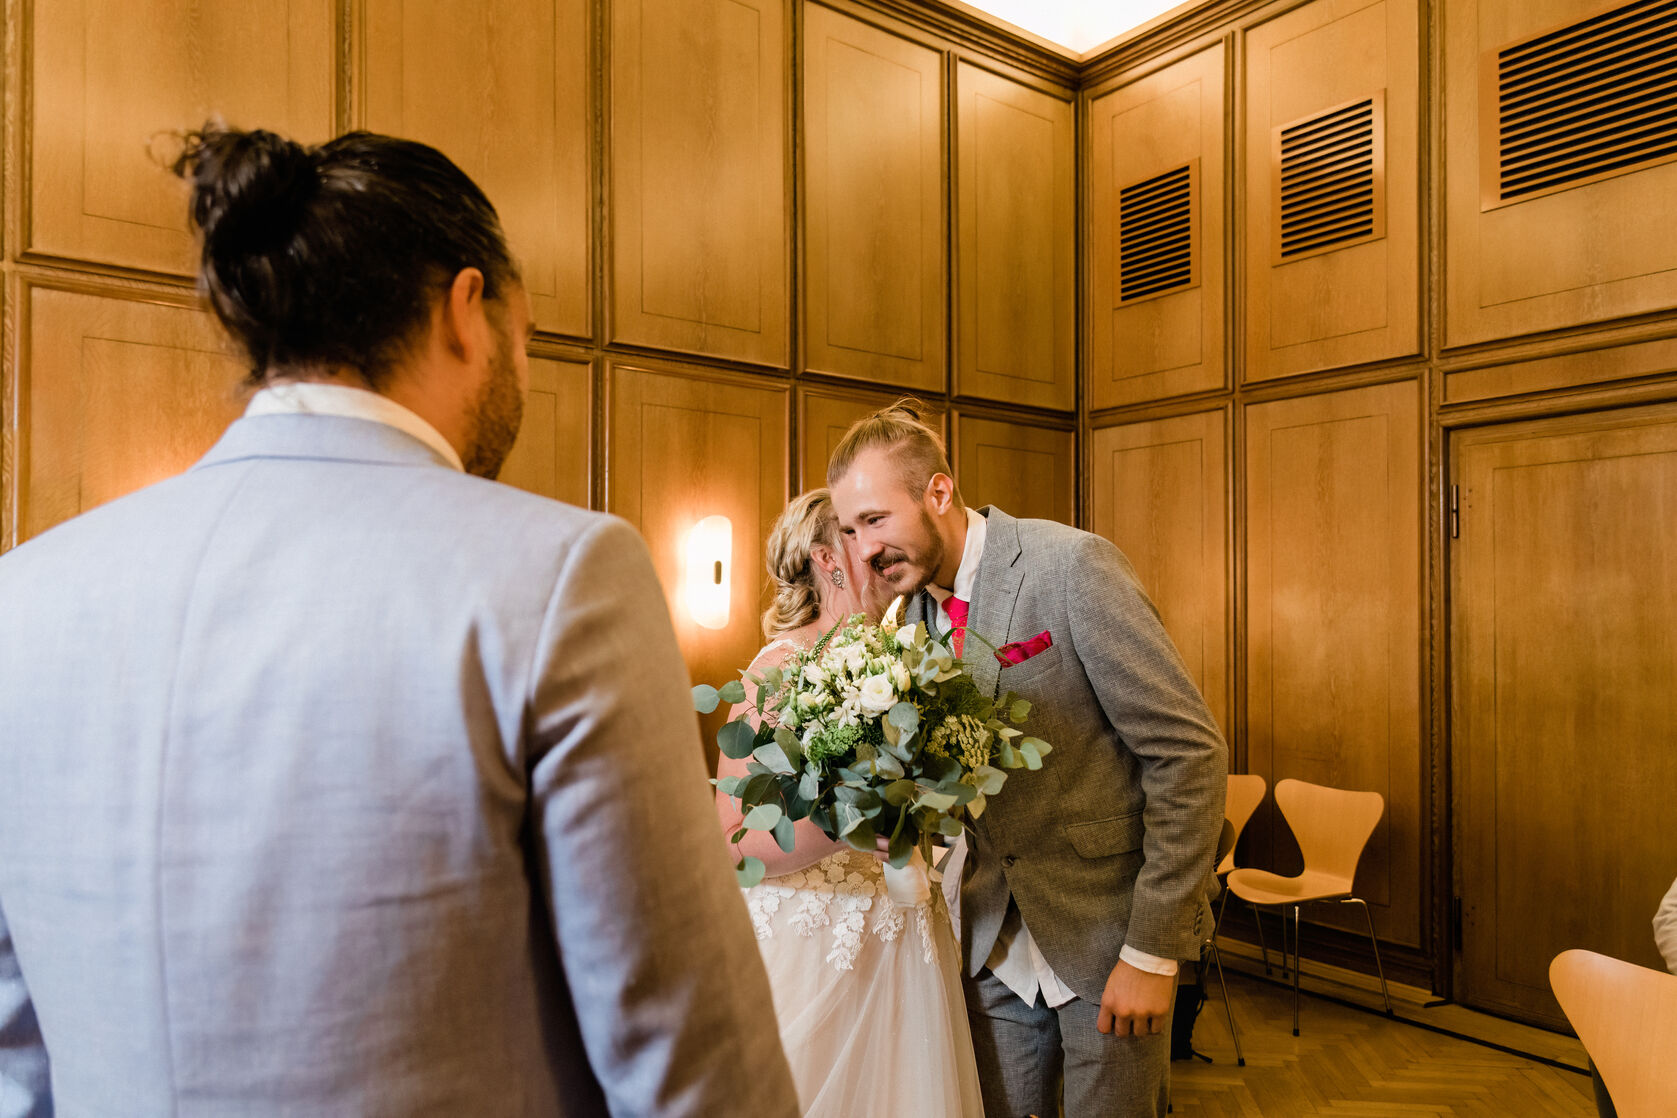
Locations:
(1352, 1064)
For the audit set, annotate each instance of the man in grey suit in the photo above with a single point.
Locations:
(335, 780)
(1085, 880)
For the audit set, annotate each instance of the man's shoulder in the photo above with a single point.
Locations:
(1053, 536)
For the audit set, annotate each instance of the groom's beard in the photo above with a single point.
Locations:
(497, 413)
(911, 571)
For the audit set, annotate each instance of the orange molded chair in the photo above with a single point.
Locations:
(1626, 1016)
(1332, 826)
(1246, 792)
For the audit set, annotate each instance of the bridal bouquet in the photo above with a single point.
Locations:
(875, 731)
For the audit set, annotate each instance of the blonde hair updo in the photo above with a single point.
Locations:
(808, 520)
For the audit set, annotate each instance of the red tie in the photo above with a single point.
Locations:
(957, 610)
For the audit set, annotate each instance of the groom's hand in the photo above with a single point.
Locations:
(1135, 1002)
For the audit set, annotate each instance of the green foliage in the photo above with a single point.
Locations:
(705, 698)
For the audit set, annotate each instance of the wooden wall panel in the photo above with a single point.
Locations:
(1015, 242)
(825, 414)
(1564, 623)
(874, 257)
(1333, 495)
(687, 445)
(107, 76)
(1168, 344)
(1595, 251)
(1360, 302)
(1025, 471)
(502, 89)
(698, 173)
(115, 394)
(1160, 491)
(551, 455)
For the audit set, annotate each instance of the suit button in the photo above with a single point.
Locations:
(1007, 862)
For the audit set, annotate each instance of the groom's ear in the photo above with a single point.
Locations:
(940, 491)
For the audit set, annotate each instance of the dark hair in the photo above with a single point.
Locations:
(332, 255)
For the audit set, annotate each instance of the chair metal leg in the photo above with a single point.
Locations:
(1384, 993)
(1228, 1008)
(1258, 919)
(1298, 948)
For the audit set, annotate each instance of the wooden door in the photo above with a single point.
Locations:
(1024, 470)
(551, 455)
(1564, 742)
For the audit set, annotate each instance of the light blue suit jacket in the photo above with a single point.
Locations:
(334, 781)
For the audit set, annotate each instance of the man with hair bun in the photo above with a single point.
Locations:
(335, 778)
(1086, 880)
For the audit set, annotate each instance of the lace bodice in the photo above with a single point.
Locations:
(844, 892)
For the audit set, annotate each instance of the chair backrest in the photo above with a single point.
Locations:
(1246, 792)
(1332, 825)
(1626, 1016)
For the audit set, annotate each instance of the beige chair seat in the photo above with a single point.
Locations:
(1262, 887)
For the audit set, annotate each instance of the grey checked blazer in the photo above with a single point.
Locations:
(336, 782)
(1110, 842)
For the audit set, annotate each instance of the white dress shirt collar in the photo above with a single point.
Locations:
(966, 575)
(308, 398)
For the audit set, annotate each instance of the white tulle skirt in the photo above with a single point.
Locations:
(867, 993)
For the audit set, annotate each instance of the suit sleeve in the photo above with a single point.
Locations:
(25, 1089)
(670, 992)
(1150, 700)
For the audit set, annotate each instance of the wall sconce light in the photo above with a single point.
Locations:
(710, 560)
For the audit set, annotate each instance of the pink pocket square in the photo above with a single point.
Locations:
(1020, 651)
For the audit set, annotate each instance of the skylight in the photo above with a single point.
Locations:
(1077, 25)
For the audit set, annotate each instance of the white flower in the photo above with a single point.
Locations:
(899, 675)
(909, 635)
(877, 695)
(889, 621)
(810, 700)
(855, 658)
(813, 675)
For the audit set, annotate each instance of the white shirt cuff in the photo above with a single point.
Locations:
(1141, 960)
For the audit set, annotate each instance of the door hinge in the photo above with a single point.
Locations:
(1456, 921)
(1455, 512)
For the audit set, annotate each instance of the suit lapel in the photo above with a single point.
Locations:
(1000, 575)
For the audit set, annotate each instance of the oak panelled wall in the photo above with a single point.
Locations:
(429, 72)
(1152, 336)
(874, 302)
(1159, 489)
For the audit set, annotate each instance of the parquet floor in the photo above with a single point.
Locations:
(1352, 1064)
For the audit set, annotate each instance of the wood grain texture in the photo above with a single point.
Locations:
(1015, 258)
(551, 455)
(109, 76)
(115, 394)
(698, 171)
(1592, 252)
(1173, 343)
(874, 221)
(1564, 745)
(1026, 471)
(1332, 642)
(1359, 303)
(685, 445)
(502, 88)
(825, 414)
(1159, 490)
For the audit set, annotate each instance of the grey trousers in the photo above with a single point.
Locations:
(1026, 1051)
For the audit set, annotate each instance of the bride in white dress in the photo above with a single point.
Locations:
(867, 991)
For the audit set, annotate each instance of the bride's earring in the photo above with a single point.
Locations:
(838, 579)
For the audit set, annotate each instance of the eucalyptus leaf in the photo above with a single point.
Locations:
(774, 678)
(937, 801)
(990, 779)
(749, 872)
(1019, 711)
(784, 835)
(810, 786)
(887, 766)
(732, 692)
(847, 818)
(1033, 759)
(773, 759)
(763, 817)
(730, 785)
(736, 740)
(951, 826)
(1042, 748)
(904, 717)
(899, 792)
(902, 848)
(705, 698)
(862, 837)
(756, 790)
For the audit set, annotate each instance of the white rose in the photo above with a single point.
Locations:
(899, 675)
(855, 659)
(908, 635)
(814, 676)
(877, 695)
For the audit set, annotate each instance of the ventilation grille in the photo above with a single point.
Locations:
(1331, 177)
(1586, 101)
(1156, 234)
